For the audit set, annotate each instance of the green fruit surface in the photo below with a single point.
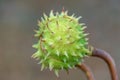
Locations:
(62, 41)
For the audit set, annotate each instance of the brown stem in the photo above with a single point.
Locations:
(86, 70)
(109, 60)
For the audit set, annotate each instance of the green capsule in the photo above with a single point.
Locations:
(62, 41)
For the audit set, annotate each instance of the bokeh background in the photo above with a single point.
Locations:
(18, 19)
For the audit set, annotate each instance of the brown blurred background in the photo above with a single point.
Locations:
(18, 19)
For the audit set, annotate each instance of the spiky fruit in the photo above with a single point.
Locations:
(62, 41)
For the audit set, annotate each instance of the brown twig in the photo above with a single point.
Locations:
(109, 60)
(86, 70)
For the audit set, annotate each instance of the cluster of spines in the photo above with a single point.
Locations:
(53, 49)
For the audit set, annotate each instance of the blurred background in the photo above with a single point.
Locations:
(18, 20)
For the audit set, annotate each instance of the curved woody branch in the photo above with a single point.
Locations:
(86, 70)
(109, 60)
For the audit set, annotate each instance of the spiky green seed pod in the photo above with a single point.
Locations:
(62, 41)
